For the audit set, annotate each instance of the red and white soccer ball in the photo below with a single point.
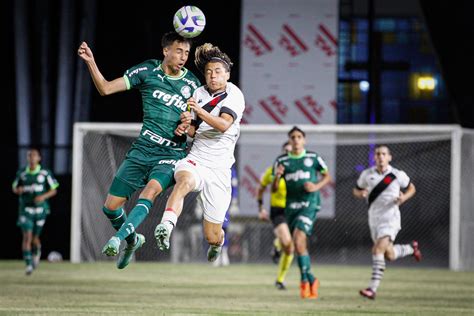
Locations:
(189, 21)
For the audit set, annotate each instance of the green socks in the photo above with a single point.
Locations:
(117, 217)
(304, 263)
(135, 218)
(27, 257)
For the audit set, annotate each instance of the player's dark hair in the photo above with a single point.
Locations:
(383, 145)
(207, 53)
(296, 129)
(284, 145)
(35, 148)
(169, 38)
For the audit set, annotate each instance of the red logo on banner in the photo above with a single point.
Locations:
(310, 108)
(255, 41)
(291, 42)
(326, 41)
(247, 113)
(328, 190)
(274, 108)
(250, 180)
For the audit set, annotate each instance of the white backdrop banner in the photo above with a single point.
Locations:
(288, 64)
(288, 74)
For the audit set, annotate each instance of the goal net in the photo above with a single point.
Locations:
(438, 159)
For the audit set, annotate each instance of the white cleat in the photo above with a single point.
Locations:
(162, 235)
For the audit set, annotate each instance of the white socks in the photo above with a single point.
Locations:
(378, 268)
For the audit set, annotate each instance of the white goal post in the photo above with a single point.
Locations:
(341, 145)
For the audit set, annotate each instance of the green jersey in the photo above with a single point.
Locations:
(34, 182)
(164, 99)
(299, 170)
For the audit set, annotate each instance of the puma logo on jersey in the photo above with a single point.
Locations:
(169, 99)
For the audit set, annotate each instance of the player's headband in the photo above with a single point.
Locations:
(226, 64)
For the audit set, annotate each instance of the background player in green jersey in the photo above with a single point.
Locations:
(34, 186)
(300, 169)
(165, 87)
(283, 242)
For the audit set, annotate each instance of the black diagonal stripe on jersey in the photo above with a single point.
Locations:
(381, 186)
(209, 106)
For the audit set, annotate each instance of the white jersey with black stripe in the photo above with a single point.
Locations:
(384, 206)
(210, 147)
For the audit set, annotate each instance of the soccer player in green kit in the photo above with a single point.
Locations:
(165, 87)
(300, 169)
(34, 185)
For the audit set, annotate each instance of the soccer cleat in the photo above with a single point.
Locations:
(368, 293)
(162, 236)
(126, 254)
(276, 251)
(213, 253)
(275, 254)
(313, 289)
(111, 248)
(29, 270)
(416, 251)
(305, 291)
(280, 286)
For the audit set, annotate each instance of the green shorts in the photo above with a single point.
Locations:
(303, 219)
(32, 219)
(134, 174)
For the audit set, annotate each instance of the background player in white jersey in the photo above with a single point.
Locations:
(385, 188)
(218, 107)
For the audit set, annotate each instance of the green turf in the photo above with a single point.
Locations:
(200, 289)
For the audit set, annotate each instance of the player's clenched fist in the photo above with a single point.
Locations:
(194, 106)
(280, 170)
(85, 52)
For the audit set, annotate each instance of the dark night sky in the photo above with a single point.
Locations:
(125, 35)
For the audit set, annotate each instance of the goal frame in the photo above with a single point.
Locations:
(455, 186)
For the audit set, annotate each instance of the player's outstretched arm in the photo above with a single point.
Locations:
(103, 86)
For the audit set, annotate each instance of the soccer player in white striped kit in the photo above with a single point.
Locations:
(218, 107)
(385, 188)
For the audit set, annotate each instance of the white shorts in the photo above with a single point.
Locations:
(215, 187)
(385, 224)
(377, 232)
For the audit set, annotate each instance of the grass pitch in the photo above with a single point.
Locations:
(200, 289)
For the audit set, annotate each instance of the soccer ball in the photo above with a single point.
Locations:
(55, 256)
(189, 21)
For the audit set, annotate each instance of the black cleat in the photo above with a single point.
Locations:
(275, 254)
(280, 286)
